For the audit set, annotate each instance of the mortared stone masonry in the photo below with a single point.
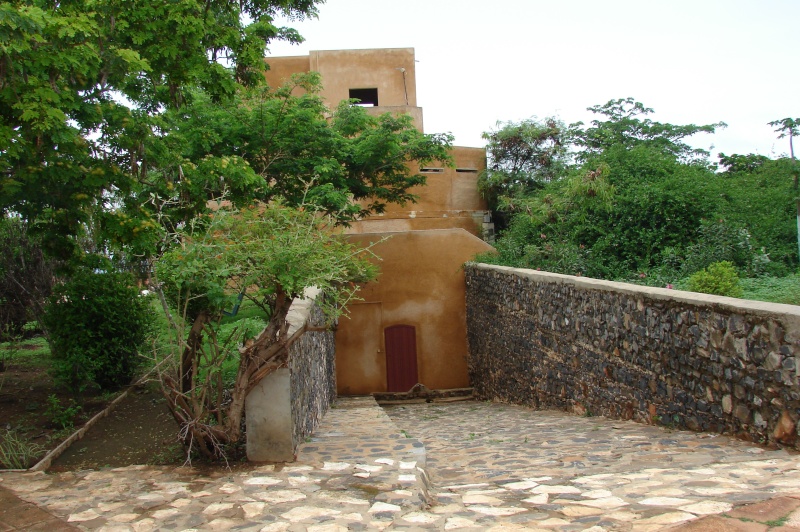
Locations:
(625, 351)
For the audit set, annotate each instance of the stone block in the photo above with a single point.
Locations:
(269, 419)
(785, 430)
(773, 361)
(742, 413)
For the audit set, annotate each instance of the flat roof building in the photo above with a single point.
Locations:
(411, 326)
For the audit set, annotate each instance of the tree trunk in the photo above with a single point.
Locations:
(796, 178)
(190, 351)
(797, 204)
(268, 353)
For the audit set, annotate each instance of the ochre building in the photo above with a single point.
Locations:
(411, 326)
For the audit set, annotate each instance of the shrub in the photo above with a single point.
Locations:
(719, 241)
(97, 322)
(719, 278)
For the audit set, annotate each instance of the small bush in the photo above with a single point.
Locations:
(61, 416)
(97, 322)
(719, 278)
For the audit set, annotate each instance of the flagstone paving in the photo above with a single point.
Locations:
(467, 466)
(491, 463)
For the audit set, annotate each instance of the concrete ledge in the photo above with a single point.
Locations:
(789, 313)
(287, 404)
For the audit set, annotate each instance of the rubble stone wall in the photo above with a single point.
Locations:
(655, 355)
(313, 377)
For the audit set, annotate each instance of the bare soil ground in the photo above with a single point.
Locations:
(24, 392)
(140, 430)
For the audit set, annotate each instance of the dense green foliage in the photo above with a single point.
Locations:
(523, 157)
(121, 119)
(83, 84)
(264, 144)
(651, 208)
(96, 322)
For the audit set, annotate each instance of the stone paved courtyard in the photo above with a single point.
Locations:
(453, 466)
(546, 469)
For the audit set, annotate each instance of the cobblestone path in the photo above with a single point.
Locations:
(455, 466)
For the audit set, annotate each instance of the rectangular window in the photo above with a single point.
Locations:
(467, 170)
(429, 170)
(365, 97)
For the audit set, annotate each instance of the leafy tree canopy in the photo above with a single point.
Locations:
(625, 125)
(523, 157)
(736, 164)
(81, 80)
(264, 144)
(634, 201)
(123, 118)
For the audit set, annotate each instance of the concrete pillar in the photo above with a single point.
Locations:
(269, 419)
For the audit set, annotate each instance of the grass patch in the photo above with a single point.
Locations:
(33, 352)
(17, 451)
(769, 289)
(247, 309)
(773, 289)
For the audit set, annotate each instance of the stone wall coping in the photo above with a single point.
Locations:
(463, 233)
(301, 309)
(788, 313)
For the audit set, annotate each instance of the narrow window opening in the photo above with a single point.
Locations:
(467, 170)
(430, 170)
(365, 97)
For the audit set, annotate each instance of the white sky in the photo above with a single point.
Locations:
(693, 61)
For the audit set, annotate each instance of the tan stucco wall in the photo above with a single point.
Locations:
(453, 189)
(469, 221)
(281, 69)
(342, 70)
(421, 284)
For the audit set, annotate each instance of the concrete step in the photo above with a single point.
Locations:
(420, 394)
(384, 462)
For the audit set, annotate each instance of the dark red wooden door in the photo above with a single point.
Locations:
(401, 357)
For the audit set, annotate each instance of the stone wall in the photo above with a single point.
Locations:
(288, 404)
(313, 378)
(654, 355)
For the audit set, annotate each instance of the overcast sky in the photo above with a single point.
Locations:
(698, 61)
